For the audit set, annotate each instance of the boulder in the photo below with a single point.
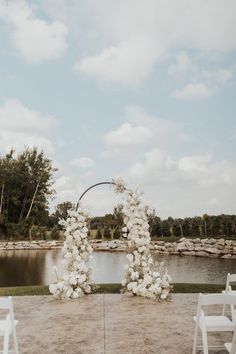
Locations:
(186, 253)
(201, 254)
(212, 250)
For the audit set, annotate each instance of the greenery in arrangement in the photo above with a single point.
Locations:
(26, 186)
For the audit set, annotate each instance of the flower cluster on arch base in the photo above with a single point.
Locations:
(77, 279)
(143, 276)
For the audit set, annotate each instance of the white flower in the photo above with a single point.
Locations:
(130, 257)
(118, 185)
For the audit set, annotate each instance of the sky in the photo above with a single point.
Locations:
(142, 90)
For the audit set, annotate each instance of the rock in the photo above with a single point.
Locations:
(113, 245)
(211, 241)
(212, 250)
(196, 240)
(160, 243)
(213, 255)
(168, 244)
(227, 256)
(221, 242)
(170, 249)
(199, 248)
(201, 254)
(190, 253)
(159, 248)
(164, 253)
(185, 246)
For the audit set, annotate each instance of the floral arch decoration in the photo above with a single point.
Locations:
(142, 277)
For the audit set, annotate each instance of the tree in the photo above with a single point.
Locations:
(6, 170)
(26, 186)
(61, 212)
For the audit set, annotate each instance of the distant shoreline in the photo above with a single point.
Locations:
(209, 247)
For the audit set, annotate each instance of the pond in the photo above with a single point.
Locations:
(34, 267)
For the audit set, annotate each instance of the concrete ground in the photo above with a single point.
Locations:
(110, 323)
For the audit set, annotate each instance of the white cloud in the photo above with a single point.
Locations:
(219, 76)
(127, 136)
(128, 63)
(21, 126)
(182, 66)
(125, 52)
(204, 24)
(158, 166)
(205, 83)
(140, 132)
(165, 132)
(153, 168)
(214, 202)
(35, 39)
(83, 162)
(194, 164)
(189, 185)
(195, 91)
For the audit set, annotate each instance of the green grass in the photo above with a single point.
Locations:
(111, 289)
(24, 290)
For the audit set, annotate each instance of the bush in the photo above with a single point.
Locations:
(55, 233)
(17, 231)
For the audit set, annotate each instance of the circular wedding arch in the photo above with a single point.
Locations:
(143, 276)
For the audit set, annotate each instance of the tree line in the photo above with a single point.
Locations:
(26, 188)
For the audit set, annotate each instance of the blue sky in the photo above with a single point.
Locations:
(126, 89)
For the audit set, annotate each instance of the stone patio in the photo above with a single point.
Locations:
(106, 323)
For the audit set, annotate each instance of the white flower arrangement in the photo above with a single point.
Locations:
(77, 279)
(143, 277)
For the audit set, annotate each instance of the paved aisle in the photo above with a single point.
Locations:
(105, 324)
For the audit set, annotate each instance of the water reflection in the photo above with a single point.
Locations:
(34, 267)
(22, 267)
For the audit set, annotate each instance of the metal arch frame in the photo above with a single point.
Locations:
(94, 185)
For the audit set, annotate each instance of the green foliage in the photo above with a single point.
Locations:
(55, 233)
(222, 226)
(24, 290)
(25, 189)
(60, 213)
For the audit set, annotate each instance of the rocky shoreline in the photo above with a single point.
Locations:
(208, 247)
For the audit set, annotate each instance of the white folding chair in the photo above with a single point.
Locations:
(212, 323)
(8, 325)
(231, 278)
(231, 347)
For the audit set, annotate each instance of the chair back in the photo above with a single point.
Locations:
(231, 278)
(6, 303)
(217, 299)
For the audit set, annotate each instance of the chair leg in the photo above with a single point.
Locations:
(223, 311)
(6, 343)
(195, 339)
(204, 341)
(15, 341)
